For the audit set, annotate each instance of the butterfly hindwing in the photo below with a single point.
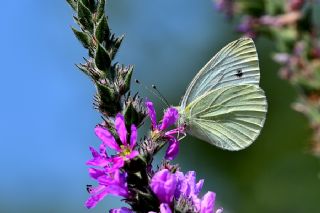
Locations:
(235, 64)
(230, 117)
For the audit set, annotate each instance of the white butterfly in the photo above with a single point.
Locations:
(224, 104)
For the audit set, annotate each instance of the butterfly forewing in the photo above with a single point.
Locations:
(235, 64)
(230, 117)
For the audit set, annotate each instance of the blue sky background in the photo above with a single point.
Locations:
(47, 118)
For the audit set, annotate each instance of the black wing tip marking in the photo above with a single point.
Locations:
(239, 73)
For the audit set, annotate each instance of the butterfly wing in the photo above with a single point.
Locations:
(230, 117)
(237, 63)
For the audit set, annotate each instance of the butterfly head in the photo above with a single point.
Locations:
(183, 120)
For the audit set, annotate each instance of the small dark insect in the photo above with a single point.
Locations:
(89, 188)
(239, 73)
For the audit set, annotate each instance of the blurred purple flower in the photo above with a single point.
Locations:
(282, 58)
(226, 6)
(247, 27)
(170, 117)
(295, 4)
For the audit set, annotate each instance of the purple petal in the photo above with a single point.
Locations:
(165, 208)
(116, 184)
(97, 160)
(152, 114)
(133, 154)
(121, 210)
(207, 202)
(180, 179)
(188, 188)
(106, 138)
(199, 186)
(120, 186)
(102, 150)
(118, 191)
(96, 173)
(170, 117)
(94, 153)
(121, 128)
(94, 199)
(188, 184)
(117, 163)
(219, 210)
(163, 184)
(173, 149)
(120, 178)
(133, 137)
(105, 180)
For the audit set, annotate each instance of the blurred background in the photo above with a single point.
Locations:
(47, 117)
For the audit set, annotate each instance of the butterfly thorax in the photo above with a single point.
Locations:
(156, 135)
(183, 116)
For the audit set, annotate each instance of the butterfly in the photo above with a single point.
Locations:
(224, 104)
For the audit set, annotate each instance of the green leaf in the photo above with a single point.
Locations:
(83, 37)
(83, 69)
(85, 17)
(90, 4)
(100, 8)
(102, 31)
(73, 4)
(130, 115)
(116, 45)
(118, 42)
(108, 100)
(106, 94)
(102, 59)
(133, 112)
(127, 80)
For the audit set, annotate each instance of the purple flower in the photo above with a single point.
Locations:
(163, 184)
(168, 187)
(109, 183)
(110, 179)
(187, 185)
(170, 117)
(125, 151)
(189, 189)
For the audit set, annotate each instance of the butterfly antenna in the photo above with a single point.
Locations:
(157, 93)
(164, 100)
